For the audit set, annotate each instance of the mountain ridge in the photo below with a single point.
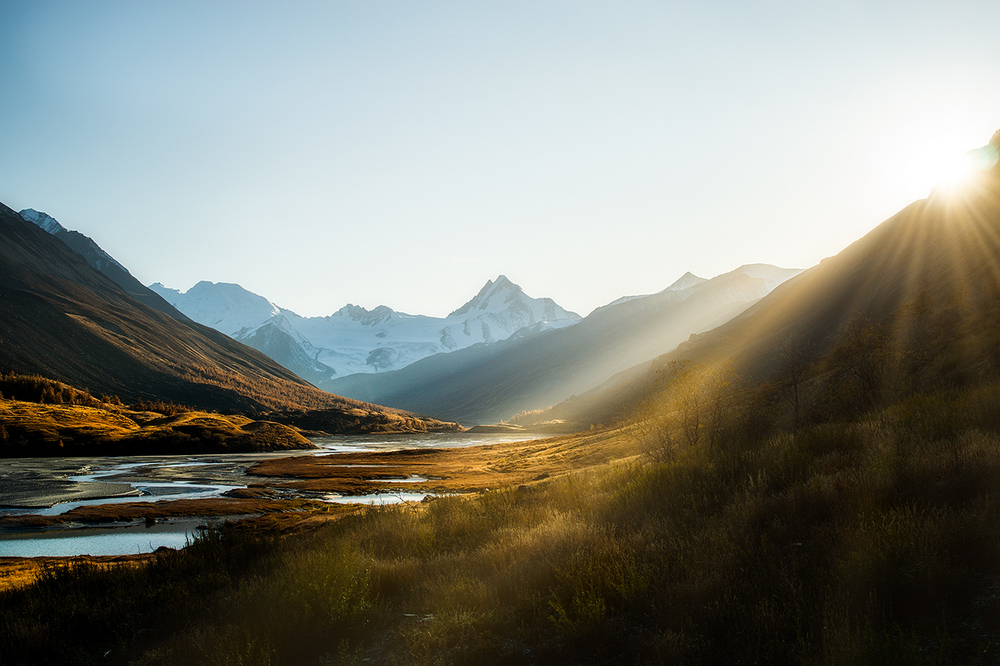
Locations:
(65, 320)
(100, 260)
(939, 253)
(487, 383)
(355, 340)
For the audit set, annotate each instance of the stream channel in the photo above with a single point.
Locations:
(53, 486)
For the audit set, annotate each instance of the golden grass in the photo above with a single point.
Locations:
(470, 469)
(18, 572)
(28, 428)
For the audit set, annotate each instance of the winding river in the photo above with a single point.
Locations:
(53, 486)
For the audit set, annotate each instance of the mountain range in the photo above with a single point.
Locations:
(928, 276)
(501, 353)
(81, 318)
(356, 340)
(487, 383)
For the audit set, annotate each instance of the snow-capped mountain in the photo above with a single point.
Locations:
(225, 307)
(356, 340)
(485, 383)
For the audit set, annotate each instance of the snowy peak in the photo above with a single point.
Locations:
(685, 281)
(357, 340)
(502, 297)
(224, 306)
(365, 317)
(493, 297)
(41, 220)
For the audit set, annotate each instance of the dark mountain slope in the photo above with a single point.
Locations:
(62, 319)
(929, 276)
(100, 260)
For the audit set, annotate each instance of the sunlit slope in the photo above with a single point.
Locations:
(483, 384)
(930, 275)
(62, 319)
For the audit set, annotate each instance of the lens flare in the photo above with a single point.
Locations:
(955, 173)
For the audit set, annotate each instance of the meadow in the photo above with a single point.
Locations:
(865, 540)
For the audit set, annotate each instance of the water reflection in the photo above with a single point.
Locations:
(81, 542)
(54, 486)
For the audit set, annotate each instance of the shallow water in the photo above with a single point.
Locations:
(430, 440)
(377, 498)
(53, 486)
(81, 542)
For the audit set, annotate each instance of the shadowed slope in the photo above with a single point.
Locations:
(62, 319)
(101, 261)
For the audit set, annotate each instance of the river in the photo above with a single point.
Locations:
(53, 486)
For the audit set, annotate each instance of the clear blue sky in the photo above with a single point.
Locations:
(402, 153)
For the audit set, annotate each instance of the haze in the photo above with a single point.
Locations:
(404, 153)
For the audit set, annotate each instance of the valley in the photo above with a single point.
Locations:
(772, 465)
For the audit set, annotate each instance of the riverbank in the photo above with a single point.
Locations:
(281, 496)
(859, 542)
(453, 470)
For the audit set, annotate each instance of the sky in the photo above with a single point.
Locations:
(403, 153)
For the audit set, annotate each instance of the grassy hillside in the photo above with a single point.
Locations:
(44, 417)
(32, 429)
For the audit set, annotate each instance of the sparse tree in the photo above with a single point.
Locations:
(793, 373)
(866, 366)
(671, 418)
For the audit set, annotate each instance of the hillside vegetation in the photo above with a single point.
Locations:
(55, 419)
(44, 417)
(864, 540)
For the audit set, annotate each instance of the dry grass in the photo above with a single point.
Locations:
(31, 429)
(470, 469)
(868, 541)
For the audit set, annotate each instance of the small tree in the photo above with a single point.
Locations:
(865, 366)
(792, 375)
(671, 418)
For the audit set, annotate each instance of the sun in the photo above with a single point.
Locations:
(953, 171)
(943, 165)
(930, 148)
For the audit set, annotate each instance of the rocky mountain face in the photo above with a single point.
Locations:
(355, 340)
